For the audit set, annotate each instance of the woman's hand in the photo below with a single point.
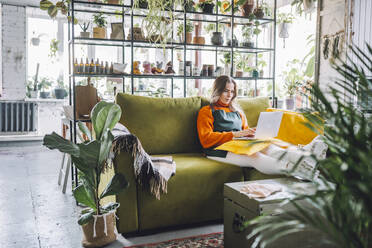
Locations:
(244, 133)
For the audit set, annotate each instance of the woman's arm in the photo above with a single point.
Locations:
(207, 137)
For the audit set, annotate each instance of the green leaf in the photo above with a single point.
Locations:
(110, 207)
(105, 115)
(52, 11)
(55, 141)
(45, 4)
(105, 146)
(89, 153)
(82, 196)
(85, 218)
(117, 184)
(85, 130)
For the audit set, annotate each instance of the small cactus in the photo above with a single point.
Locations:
(84, 26)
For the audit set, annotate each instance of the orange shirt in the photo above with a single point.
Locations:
(208, 138)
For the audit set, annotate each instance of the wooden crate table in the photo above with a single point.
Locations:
(238, 208)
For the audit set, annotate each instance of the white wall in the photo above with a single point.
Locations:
(13, 50)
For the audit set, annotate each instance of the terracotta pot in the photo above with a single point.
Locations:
(113, 1)
(99, 33)
(238, 74)
(199, 40)
(188, 37)
(101, 238)
(247, 8)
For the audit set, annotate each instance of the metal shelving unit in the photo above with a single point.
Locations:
(127, 13)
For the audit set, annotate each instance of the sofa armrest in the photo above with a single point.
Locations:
(128, 211)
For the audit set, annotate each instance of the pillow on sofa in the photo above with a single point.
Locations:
(292, 128)
(163, 125)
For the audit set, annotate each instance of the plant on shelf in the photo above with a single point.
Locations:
(99, 31)
(248, 31)
(243, 64)
(189, 29)
(259, 10)
(216, 35)
(189, 6)
(44, 85)
(261, 64)
(91, 158)
(158, 21)
(84, 27)
(342, 211)
(206, 6)
(60, 91)
(32, 87)
(268, 11)
(293, 80)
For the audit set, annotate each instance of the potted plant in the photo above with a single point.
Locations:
(189, 29)
(248, 31)
(303, 6)
(84, 27)
(189, 6)
(44, 85)
(143, 4)
(258, 11)
(60, 92)
(293, 79)
(284, 19)
(247, 8)
(261, 64)
(206, 6)
(91, 158)
(32, 88)
(99, 32)
(217, 37)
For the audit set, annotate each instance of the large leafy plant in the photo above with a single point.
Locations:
(342, 213)
(91, 158)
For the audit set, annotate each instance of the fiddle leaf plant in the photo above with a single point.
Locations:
(91, 159)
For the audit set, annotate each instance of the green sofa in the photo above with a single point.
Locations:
(167, 126)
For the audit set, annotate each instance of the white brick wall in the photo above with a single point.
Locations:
(13, 50)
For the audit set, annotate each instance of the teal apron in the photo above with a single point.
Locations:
(223, 122)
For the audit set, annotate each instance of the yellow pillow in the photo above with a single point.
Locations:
(245, 147)
(293, 129)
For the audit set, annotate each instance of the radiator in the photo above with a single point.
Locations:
(18, 117)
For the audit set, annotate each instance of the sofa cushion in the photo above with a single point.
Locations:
(252, 108)
(293, 128)
(195, 193)
(163, 125)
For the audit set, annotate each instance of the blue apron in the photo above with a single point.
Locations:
(223, 122)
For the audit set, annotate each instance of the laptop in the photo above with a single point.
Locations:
(267, 126)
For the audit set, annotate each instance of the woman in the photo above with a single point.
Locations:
(223, 120)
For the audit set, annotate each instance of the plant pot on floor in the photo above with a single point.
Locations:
(44, 94)
(60, 93)
(101, 238)
(84, 34)
(99, 33)
(289, 103)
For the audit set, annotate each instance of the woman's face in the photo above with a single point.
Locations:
(228, 93)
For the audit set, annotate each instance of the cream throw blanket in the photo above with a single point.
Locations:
(151, 172)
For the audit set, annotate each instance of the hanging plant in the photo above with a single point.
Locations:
(159, 18)
(284, 19)
(53, 9)
(303, 6)
(53, 48)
